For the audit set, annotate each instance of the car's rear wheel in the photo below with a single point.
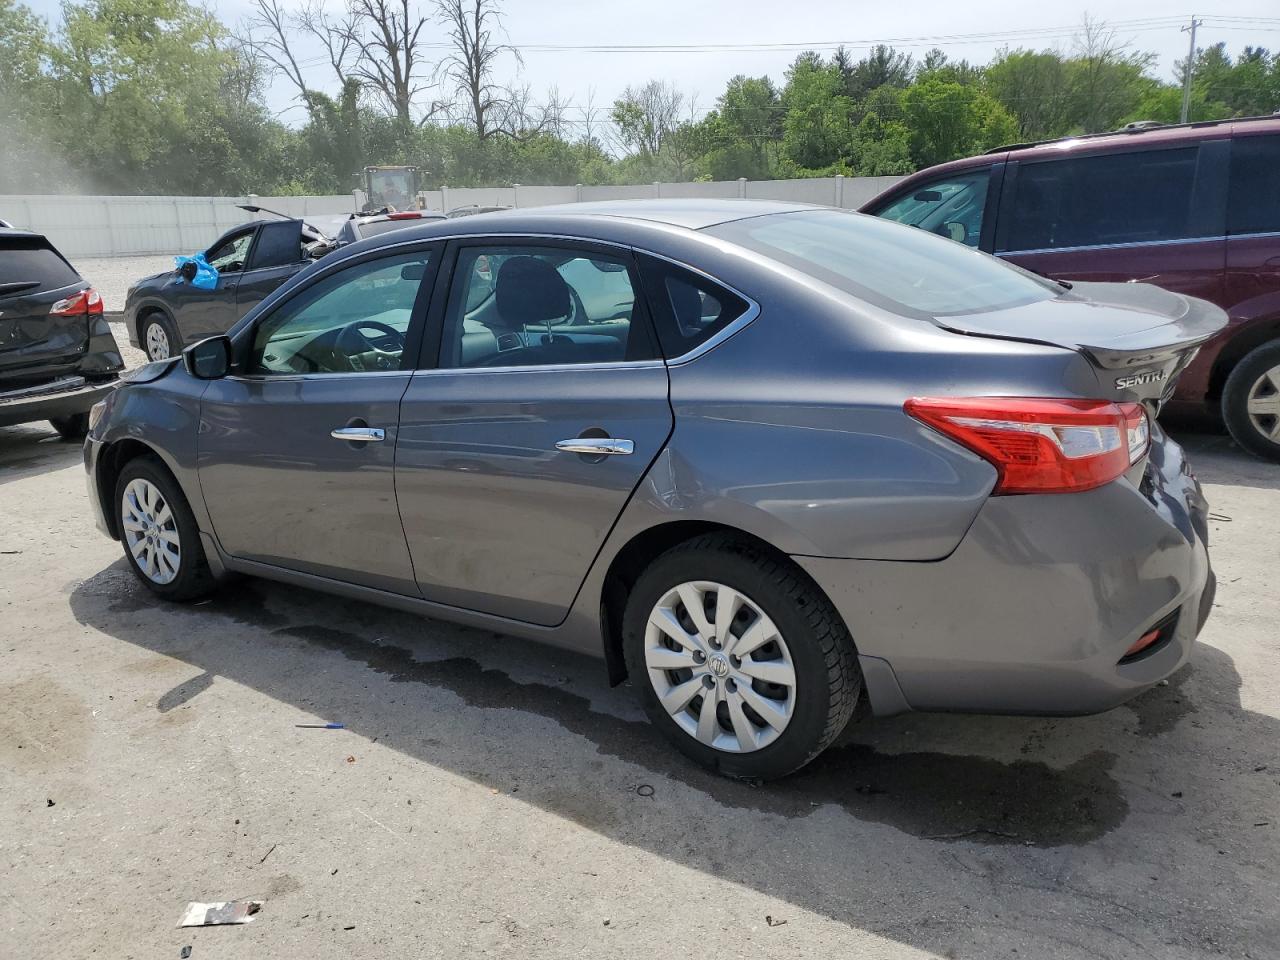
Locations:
(73, 427)
(159, 532)
(159, 341)
(738, 657)
(1251, 401)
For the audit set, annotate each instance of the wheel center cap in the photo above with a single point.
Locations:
(719, 665)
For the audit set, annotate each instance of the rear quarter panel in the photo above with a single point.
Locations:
(793, 429)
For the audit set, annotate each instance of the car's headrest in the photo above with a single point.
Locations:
(529, 292)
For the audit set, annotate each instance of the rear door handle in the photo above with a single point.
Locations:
(359, 434)
(594, 446)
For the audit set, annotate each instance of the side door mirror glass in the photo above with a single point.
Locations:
(209, 359)
(956, 230)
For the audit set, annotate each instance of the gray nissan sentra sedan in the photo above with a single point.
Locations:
(764, 459)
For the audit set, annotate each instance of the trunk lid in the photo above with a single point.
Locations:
(1138, 337)
(34, 344)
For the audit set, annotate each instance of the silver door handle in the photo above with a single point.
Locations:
(359, 434)
(594, 446)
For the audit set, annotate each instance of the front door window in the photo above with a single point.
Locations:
(951, 207)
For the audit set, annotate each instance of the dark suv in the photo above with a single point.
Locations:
(1193, 208)
(57, 355)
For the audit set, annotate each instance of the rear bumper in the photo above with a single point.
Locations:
(63, 398)
(1034, 610)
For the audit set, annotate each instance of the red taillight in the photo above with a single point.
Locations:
(1146, 640)
(1042, 445)
(405, 215)
(85, 302)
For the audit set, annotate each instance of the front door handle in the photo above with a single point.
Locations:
(595, 446)
(359, 434)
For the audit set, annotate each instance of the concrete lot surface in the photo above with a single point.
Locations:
(484, 798)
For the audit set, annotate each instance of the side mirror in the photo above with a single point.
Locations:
(956, 230)
(188, 271)
(209, 359)
(413, 271)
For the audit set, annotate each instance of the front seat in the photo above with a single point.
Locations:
(529, 293)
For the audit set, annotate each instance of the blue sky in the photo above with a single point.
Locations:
(975, 30)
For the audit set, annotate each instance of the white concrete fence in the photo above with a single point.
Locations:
(134, 226)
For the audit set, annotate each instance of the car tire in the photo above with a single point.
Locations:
(73, 427)
(1251, 401)
(157, 336)
(812, 648)
(159, 533)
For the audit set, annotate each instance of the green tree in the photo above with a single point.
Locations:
(24, 154)
(947, 120)
(817, 133)
(1033, 88)
(739, 137)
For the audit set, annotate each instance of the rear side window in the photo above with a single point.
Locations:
(1254, 201)
(688, 309)
(1115, 198)
(29, 264)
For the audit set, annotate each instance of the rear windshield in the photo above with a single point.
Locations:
(896, 267)
(30, 260)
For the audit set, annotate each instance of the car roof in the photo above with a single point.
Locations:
(15, 232)
(1125, 139)
(654, 224)
(692, 214)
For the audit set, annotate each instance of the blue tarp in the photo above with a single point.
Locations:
(206, 277)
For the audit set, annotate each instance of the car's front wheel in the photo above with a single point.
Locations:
(159, 532)
(738, 657)
(1251, 401)
(158, 338)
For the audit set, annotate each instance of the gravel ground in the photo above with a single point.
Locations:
(484, 797)
(112, 276)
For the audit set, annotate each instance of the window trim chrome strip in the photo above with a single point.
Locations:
(745, 319)
(1128, 244)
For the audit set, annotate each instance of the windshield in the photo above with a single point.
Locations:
(899, 268)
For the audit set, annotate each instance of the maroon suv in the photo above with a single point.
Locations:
(1194, 208)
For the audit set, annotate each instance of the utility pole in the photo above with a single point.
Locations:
(1191, 62)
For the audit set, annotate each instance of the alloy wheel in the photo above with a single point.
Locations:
(150, 531)
(157, 342)
(720, 667)
(1263, 404)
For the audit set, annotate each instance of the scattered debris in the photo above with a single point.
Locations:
(10, 553)
(1259, 769)
(185, 952)
(1176, 793)
(1263, 823)
(320, 726)
(49, 802)
(217, 914)
(606, 922)
(351, 759)
(1220, 517)
(333, 872)
(1162, 683)
(773, 921)
(267, 854)
(352, 927)
(644, 790)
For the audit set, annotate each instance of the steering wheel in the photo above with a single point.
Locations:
(351, 343)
